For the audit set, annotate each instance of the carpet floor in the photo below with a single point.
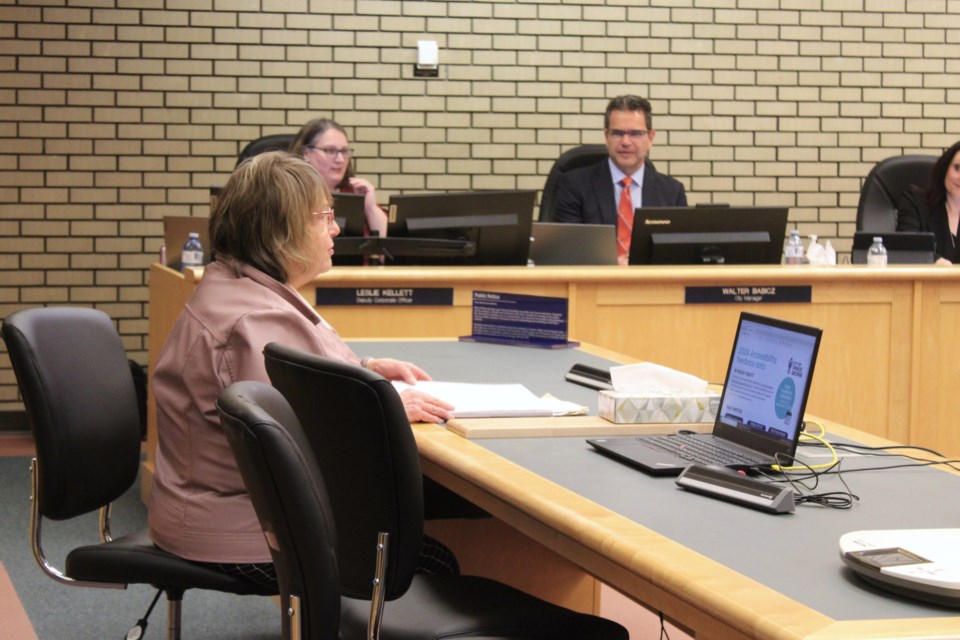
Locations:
(61, 612)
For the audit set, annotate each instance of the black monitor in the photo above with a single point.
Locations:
(348, 211)
(903, 247)
(470, 227)
(708, 235)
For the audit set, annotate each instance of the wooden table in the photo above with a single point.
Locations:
(561, 532)
(890, 344)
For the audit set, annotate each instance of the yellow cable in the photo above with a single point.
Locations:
(819, 437)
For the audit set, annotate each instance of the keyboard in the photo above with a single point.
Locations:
(701, 450)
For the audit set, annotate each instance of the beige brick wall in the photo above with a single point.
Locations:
(114, 113)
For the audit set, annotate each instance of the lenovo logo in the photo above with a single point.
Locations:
(650, 221)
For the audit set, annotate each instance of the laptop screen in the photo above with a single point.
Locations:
(559, 243)
(768, 382)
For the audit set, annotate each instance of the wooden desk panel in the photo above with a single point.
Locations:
(867, 339)
(934, 413)
(867, 374)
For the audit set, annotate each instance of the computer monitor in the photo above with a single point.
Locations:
(903, 247)
(477, 227)
(708, 235)
(561, 243)
(348, 211)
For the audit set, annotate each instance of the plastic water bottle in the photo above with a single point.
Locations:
(192, 255)
(793, 253)
(877, 254)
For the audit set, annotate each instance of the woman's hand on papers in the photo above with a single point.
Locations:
(421, 407)
(397, 370)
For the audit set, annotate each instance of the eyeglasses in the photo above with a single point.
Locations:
(333, 152)
(327, 216)
(635, 135)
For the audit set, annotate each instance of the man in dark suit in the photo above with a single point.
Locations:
(609, 191)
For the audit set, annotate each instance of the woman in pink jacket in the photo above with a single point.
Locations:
(271, 232)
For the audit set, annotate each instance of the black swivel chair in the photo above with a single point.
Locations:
(290, 498)
(82, 408)
(273, 142)
(585, 154)
(877, 209)
(358, 431)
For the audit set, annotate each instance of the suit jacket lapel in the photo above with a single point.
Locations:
(602, 181)
(652, 194)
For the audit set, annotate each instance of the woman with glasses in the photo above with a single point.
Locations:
(323, 143)
(937, 207)
(272, 232)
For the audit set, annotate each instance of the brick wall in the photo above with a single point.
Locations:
(114, 113)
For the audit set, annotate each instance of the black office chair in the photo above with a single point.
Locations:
(585, 154)
(290, 498)
(81, 405)
(877, 209)
(356, 425)
(273, 142)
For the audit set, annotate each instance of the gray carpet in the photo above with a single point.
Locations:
(61, 612)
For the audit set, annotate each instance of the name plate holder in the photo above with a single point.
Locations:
(520, 320)
(384, 296)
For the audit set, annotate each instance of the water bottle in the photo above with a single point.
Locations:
(877, 255)
(192, 255)
(793, 253)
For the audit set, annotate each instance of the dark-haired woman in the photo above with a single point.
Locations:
(936, 208)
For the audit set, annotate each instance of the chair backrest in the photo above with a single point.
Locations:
(585, 154)
(360, 435)
(81, 404)
(290, 498)
(272, 142)
(877, 209)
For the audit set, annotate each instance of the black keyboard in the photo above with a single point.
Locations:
(702, 450)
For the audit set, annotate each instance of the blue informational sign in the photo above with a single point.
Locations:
(510, 318)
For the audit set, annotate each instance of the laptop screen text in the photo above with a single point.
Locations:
(767, 381)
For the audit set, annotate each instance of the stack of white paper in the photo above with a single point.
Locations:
(491, 400)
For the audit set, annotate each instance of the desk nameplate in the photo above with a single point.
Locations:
(384, 296)
(751, 293)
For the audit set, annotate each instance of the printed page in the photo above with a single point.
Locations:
(491, 400)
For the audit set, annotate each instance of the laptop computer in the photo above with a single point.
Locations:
(558, 243)
(903, 247)
(761, 409)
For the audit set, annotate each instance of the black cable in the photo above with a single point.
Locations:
(663, 628)
(846, 499)
(829, 499)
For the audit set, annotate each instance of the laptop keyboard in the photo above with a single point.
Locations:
(699, 449)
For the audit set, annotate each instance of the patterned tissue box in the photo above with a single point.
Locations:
(629, 408)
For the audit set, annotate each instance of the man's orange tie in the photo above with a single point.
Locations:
(624, 221)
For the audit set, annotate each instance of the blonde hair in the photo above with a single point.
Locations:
(263, 214)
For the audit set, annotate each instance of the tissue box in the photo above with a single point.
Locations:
(623, 407)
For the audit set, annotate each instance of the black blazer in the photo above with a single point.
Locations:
(913, 214)
(586, 195)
